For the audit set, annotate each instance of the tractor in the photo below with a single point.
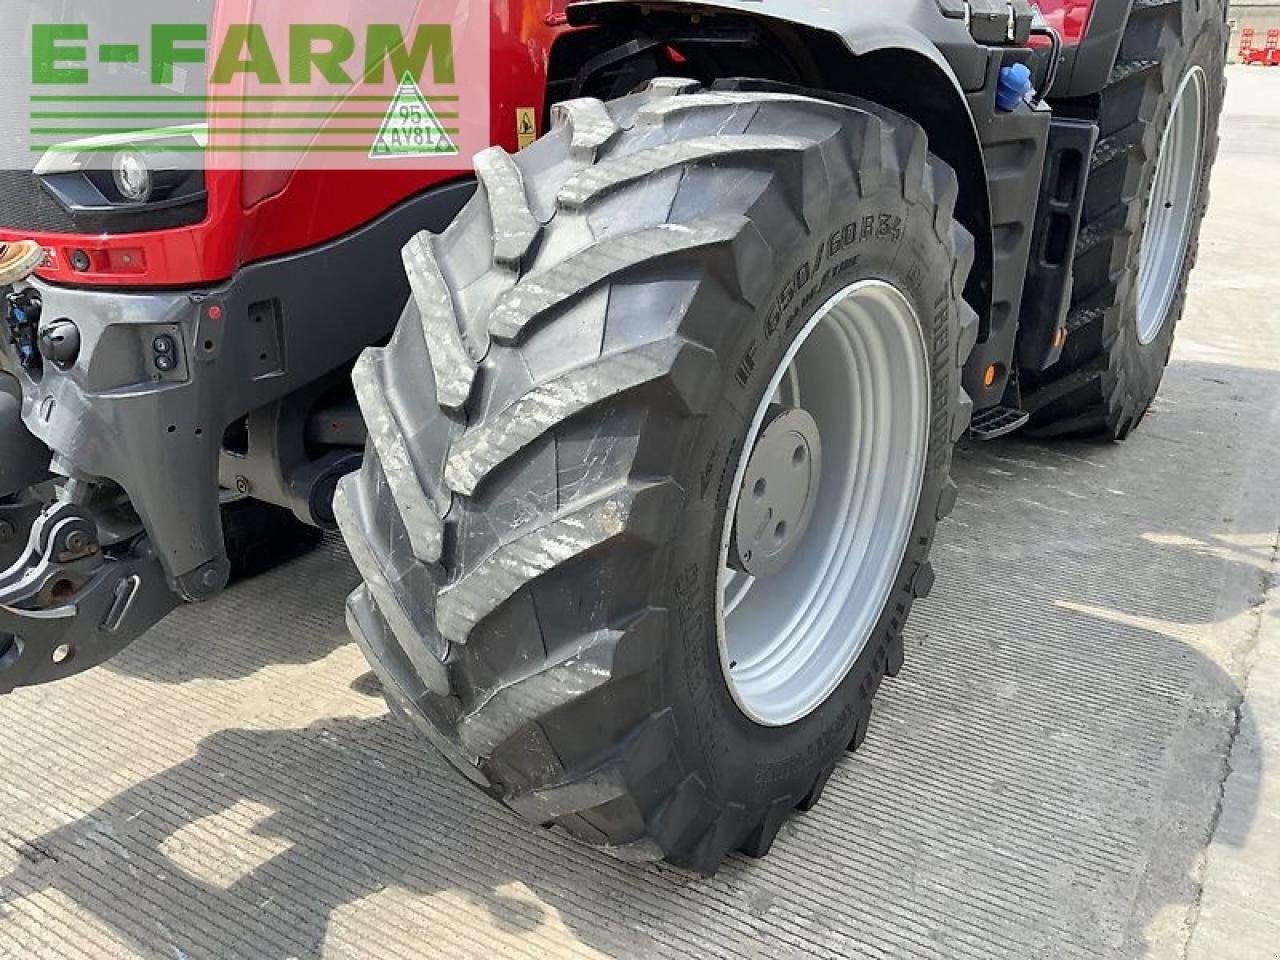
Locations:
(639, 426)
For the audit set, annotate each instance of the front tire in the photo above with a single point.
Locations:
(558, 425)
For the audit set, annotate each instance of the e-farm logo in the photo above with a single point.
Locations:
(264, 86)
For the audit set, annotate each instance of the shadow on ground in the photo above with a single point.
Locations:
(289, 615)
(1039, 782)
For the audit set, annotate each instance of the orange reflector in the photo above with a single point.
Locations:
(1059, 338)
(989, 378)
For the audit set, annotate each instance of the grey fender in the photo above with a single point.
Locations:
(906, 55)
(917, 26)
(1086, 69)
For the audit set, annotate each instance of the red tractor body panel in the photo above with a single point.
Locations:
(255, 215)
(1069, 17)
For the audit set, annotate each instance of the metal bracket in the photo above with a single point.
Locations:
(66, 605)
(993, 22)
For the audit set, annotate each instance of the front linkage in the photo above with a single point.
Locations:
(129, 420)
(70, 602)
(112, 414)
(70, 596)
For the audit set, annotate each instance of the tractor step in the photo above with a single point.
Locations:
(997, 421)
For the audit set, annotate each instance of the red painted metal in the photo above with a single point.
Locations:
(1069, 17)
(254, 215)
(1268, 56)
(1246, 43)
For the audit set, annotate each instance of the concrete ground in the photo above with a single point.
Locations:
(1079, 760)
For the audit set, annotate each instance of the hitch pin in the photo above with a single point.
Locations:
(125, 593)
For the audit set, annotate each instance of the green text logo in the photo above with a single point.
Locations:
(63, 53)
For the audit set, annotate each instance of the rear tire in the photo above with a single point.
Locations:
(1116, 351)
(555, 430)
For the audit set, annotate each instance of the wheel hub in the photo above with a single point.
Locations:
(797, 606)
(1171, 207)
(779, 490)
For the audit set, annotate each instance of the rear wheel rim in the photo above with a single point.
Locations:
(859, 367)
(1171, 206)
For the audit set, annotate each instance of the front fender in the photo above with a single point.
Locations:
(918, 26)
(906, 55)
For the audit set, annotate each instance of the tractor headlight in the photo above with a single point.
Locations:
(127, 172)
(132, 176)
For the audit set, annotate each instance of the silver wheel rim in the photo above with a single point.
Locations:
(859, 368)
(1171, 207)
